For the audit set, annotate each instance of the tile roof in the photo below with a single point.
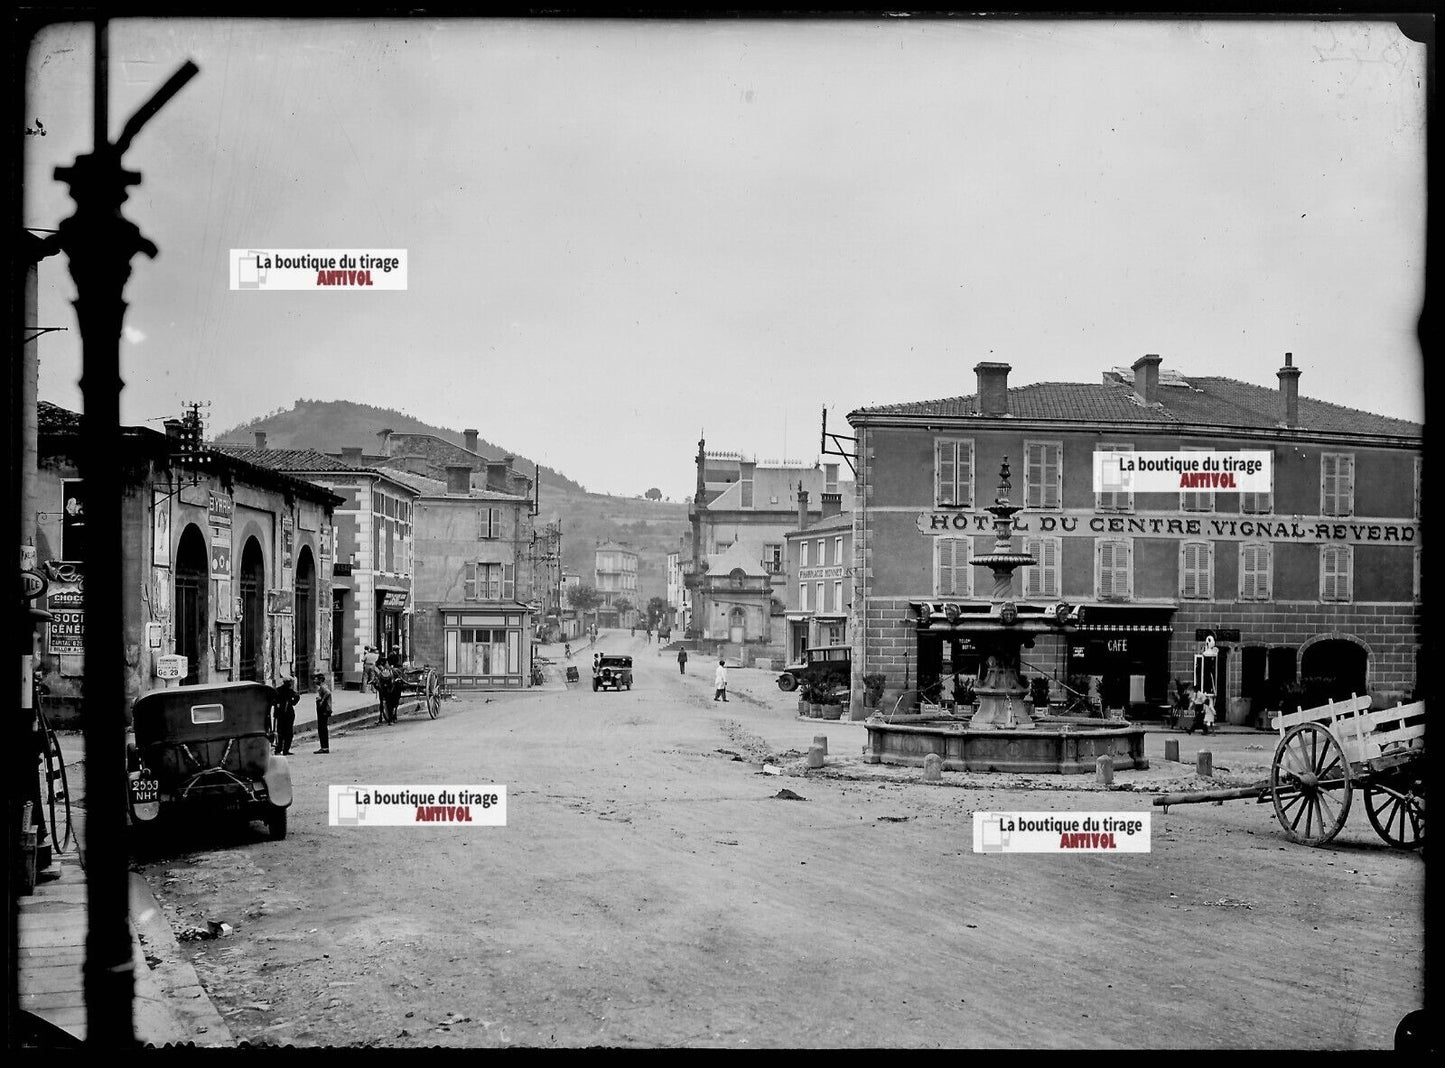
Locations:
(834, 524)
(283, 459)
(435, 487)
(1207, 401)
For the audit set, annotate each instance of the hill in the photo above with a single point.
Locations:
(652, 529)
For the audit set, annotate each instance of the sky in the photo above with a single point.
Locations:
(626, 234)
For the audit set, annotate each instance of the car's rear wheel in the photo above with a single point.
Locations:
(787, 683)
(595, 685)
(276, 823)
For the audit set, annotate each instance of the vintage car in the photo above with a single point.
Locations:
(612, 672)
(836, 659)
(207, 747)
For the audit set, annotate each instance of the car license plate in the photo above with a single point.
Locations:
(144, 790)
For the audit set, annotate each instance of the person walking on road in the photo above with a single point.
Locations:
(720, 681)
(286, 700)
(323, 712)
(682, 661)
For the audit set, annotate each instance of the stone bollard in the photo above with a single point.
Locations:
(1204, 763)
(815, 756)
(933, 768)
(1171, 749)
(821, 740)
(1104, 769)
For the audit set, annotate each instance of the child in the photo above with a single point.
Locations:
(323, 711)
(1208, 712)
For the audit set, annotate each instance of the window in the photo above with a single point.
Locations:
(477, 651)
(953, 472)
(1196, 571)
(802, 596)
(822, 552)
(489, 523)
(1043, 474)
(838, 591)
(950, 567)
(1255, 566)
(773, 559)
(838, 549)
(1042, 580)
(802, 554)
(818, 604)
(1337, 483)
(1336, 580)
(1115, 500)
(490, 582)
(1113, 570)
(1259, 503)
(1196, 500)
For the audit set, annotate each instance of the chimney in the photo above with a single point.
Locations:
(471, 436)
(1146, 378)
(802, 507)
(351, 455)
(832, 504)
(418, 465)
(385, 436)
(1289, 390)
(173, 428)
(992, 388)
(497, 475)
(459, 478)
(260, 439)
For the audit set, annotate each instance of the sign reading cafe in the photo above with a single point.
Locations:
(1173, 525)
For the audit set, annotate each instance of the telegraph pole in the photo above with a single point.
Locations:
(101, 243)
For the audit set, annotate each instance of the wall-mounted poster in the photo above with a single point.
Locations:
(288, 538)
(161, 528)
(224, 606)
(225, 636)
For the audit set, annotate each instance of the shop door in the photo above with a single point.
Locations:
(737, 626)
(253, 611)
(305, 617)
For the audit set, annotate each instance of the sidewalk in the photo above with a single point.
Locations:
(170, 1006)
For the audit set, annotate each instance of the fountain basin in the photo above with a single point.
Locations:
(1056, 746)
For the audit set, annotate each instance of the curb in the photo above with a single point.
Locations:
(171, 1006)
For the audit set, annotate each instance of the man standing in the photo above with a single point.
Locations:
(720, 680)
(368, 669)
(286, 700)
(682, 661)
(323, 711)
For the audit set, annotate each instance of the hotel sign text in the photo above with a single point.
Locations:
(1174, 525)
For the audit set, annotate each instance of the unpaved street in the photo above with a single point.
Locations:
(650, 889)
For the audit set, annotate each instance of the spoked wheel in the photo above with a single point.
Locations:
(1398, 815)
(1310, 784)
(433, 695)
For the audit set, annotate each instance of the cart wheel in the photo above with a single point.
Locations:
(1310, 781)
(276, 823)
(1398, 818)
(433, 695)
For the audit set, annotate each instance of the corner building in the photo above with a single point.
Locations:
(1312, 588)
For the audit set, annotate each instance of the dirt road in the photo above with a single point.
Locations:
(650, 889)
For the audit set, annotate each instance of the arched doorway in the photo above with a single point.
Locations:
(1332, 669)
(191, 573)
(305, 616)
(737, 626)
(253, 611)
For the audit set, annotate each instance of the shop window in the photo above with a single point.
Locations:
(1042, 580)
(1337, 483)
(1043, 474)
(1114, 570)
(953, 472)
(951, 570)
(482, 651)
(1196, 500)
(1255, 571)
(1114, 500)
(1336, 573)
(1196, 571)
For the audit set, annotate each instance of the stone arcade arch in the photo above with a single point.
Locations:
(253, 612)
(191, 578)
(305, 617)
(1333, 666)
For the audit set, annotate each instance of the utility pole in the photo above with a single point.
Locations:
(101, 243)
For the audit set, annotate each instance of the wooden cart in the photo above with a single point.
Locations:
(1324, 755)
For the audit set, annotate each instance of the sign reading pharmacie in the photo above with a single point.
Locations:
(1078, 523)
(832, 571)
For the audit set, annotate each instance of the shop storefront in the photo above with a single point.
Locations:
(1127, 651)
(391, 630)
(486, 650)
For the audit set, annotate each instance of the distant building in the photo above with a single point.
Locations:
(615, 575)
(741, 514)
(572, 621)
(1311, 588)
(679, 604)
(819, 595)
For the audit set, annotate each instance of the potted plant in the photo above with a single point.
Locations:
(873, 689)
(830, 703)
(814, 687)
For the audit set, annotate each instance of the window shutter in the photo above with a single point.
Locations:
(944, 472)
(963, 472)
(509, 581)
(469, 584)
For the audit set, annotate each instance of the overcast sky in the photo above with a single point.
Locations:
(622, 233)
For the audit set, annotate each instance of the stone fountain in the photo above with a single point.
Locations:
(1003, 734)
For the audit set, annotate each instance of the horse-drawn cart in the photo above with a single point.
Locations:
(1325, 754)
(422, 683)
